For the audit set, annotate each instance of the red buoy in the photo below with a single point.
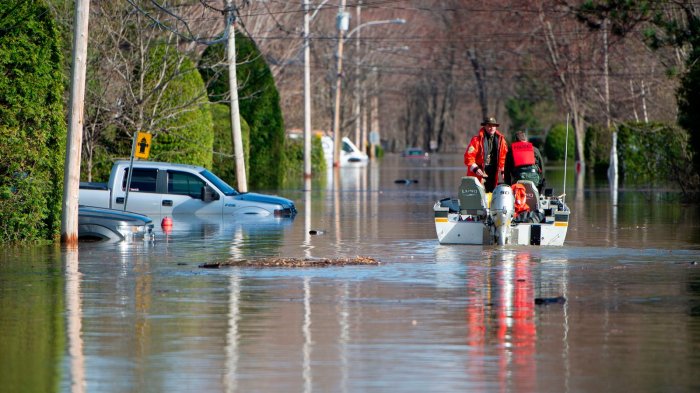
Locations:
(167, 224)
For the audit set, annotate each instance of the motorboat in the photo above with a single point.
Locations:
(475, 217)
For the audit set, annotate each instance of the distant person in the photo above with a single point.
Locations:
(524, 162)
(485, 157)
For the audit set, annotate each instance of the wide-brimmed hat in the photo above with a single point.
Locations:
(490, 120)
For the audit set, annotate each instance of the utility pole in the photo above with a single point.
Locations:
(71, 168)
(307, 99)
(358, 123)
(342, 23)
(233, 87)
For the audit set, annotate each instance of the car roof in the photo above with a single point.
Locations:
(157, 164)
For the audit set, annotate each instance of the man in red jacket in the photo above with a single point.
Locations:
(485, 157)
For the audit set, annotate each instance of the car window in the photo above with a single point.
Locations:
(183, 183)
(143, 180)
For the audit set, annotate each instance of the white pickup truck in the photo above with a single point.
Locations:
(165, 189)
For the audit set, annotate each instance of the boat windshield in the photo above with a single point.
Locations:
(220, 184)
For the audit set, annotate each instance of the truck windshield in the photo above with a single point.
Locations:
(218, 183)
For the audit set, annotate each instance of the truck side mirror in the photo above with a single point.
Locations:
(208, 194)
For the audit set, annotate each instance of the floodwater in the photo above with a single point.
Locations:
(615, 309)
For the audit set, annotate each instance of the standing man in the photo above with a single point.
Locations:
(485, 157)
(524, 161)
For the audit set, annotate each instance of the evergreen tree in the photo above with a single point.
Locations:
(258, 103)
(32, 123)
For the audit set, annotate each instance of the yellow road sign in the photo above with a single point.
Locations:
(143, 145)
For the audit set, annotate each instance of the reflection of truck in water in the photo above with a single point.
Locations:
(350, 155)
(159, 188)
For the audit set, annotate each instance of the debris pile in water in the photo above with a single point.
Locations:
(291, 262)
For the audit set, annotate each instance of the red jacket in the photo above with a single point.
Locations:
(475, 152)
(523, 153)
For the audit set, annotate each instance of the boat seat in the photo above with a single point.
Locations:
(533, 196)
(472, 197)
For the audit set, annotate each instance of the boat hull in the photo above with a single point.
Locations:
(455, 228)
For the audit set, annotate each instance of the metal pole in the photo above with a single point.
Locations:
(233, 87)
(307, 98)
(338, 82)
(358, 130)
(566, 154)
(71, 168)
(131, 169)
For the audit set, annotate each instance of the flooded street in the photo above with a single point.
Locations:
(616, 309)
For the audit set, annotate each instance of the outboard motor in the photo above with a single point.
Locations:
(501, 213)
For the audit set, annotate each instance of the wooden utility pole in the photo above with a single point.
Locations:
(233, 87)
(342, 22)
(71, 168)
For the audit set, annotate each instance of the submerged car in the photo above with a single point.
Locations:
(415, 153)
(102, 224)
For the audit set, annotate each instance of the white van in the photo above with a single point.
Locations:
(350, 155)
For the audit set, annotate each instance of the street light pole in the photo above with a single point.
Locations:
(307, 92)
(342, 23)
(307, 99)
(358, 129)
(342, 27)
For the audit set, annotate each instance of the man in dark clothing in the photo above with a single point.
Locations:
(524, 162)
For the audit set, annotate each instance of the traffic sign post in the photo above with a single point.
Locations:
(140, 148)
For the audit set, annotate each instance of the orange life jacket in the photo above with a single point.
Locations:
(523, 153)
(520, 194)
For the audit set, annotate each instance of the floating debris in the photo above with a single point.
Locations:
(405, 181)
(291, 262)
(316, 232)
(550, 300)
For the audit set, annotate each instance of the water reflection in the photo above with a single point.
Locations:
(431, 317)
(501, 315)
(232, 348)
(74, 317)
(32, 306)
(306, 331)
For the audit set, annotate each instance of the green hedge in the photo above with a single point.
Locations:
(224, 160)
(555, 143)
(294, 160)
(597, 148)
(654, 153)
(32, 123)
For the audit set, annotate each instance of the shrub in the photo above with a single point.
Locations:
(32, 123)
(655, 153)
(597, 148)
(294, 158)
(224, 160)
(555, 143)
(187, 135)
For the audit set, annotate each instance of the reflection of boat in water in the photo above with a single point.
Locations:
(474, 218)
